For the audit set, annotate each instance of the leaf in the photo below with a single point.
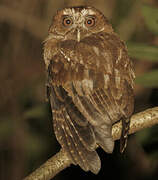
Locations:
(149, 79)
(6, 128)
(143, 51)
(35, 145)
(150, 14)
(36, 112)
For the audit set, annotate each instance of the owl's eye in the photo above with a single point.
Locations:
(90, 21)
(67, 21)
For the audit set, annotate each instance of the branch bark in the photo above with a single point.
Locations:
(61, 161)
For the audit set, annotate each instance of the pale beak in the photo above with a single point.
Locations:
(78, 35)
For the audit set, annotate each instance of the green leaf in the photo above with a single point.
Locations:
(149, 79)
(36, 112)
(6, 128)
(150, 14)
(35, 145)
(143, 51)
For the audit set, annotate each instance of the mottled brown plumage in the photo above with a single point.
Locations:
(90, 83)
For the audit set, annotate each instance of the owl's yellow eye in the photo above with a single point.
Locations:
(67, 21)
(90, 21)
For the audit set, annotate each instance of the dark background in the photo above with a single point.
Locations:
(26, 134)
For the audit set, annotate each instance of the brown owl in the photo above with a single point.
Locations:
(90, 84)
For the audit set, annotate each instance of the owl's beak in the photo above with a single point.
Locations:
(78, 35)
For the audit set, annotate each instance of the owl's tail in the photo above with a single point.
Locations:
(103, 135)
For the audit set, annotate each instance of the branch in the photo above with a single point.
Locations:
(60, 161)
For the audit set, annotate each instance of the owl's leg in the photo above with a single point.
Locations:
(124, 133)
(48, 82)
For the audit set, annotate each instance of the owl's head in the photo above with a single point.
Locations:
(78, 22)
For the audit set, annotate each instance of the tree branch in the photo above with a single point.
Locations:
(60, 161)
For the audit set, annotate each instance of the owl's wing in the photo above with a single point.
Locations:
(73, 131)
(89, 89)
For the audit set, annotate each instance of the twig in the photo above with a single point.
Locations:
(51, 167)
(60, 161)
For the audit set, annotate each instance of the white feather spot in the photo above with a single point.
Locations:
(68, 11)
(67, 116)
(60, 137)
(88, 84)
(96, 50)
(67, 128)
(78, 35)
(81, 61)
(106, 80)
(88, 11)
(117, 78)
(109, 68)
(119, 56)
(66, 57)
(84, 12)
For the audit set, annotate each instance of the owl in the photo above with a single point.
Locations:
(89, 84)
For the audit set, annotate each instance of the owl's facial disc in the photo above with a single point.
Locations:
(76, 23)
(78, 26)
